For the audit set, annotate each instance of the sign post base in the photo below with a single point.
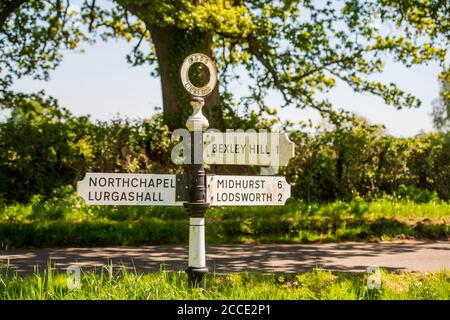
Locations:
(197, 269)
(197, 277)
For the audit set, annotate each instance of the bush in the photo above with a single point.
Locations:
(44, 147)
(415, 194)
(349, 157)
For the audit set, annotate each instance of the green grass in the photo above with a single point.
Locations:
(107, 284)
(69, 222)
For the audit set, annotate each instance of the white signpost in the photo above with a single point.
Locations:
(247, 148)
(128, 189)
(196, 191)
(247, 190)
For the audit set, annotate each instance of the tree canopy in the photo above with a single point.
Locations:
(299, 48)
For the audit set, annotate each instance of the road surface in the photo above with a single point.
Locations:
(283, 258)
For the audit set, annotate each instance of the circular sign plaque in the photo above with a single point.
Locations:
(187, 63)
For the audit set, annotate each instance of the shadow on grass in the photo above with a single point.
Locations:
(269, 258)
(260, 230)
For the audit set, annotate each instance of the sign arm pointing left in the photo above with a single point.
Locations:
(132, 189)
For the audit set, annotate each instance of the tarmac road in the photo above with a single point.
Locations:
(267, 258)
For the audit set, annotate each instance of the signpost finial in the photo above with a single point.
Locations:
(197, 121)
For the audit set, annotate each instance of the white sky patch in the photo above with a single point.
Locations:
(74, 9)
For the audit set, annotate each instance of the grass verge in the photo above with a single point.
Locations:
(318, 284)
(62, 224)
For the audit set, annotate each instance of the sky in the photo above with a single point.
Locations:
(101, 83)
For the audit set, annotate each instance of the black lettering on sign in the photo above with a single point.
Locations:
(94, 196)
(240, 184)
(102, 182)
(228, 148)
(121, 182)
(258, 197)
(125, 196)
(92, 181)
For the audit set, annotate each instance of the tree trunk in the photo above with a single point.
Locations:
(172, 45)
